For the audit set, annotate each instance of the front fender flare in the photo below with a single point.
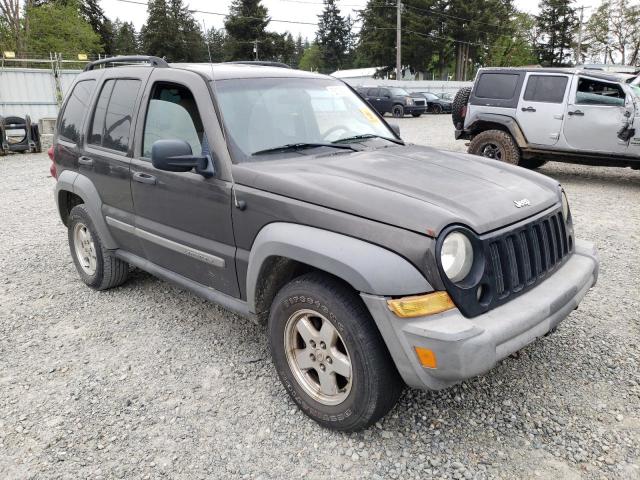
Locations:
(368, 268)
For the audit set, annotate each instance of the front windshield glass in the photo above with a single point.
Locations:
(398, 92)
(264, 113)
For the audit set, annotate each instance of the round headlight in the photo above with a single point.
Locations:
(565, 206)
(456, 256)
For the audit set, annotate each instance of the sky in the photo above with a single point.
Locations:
(289, 10)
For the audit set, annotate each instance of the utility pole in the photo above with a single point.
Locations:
(399, 41)
(255, 48)
(579, 49)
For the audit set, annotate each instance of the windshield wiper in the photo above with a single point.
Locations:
(303, 146)
(366, 136)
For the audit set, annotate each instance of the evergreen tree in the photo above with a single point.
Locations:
(125, 41)
(216, 40)
(94, 15)
(334, 37)
(246, 23)
(299, 51)
(311, 59)
(171, 31)
(557, 23)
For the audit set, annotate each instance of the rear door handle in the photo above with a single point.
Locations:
(144, 178)
(528, 109)
(577, 113)
(86, 161)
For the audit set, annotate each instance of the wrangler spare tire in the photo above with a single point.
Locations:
(459, 107)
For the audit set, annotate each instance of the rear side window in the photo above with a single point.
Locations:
(497, 86)
(77, 105)
(545, 88)
(172, 115)
(111, 123)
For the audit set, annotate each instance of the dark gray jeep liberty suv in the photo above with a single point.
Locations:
(282, 196)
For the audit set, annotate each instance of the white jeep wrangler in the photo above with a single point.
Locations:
(528, 116)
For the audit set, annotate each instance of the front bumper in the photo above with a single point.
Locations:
(410, 109)
(466, 347)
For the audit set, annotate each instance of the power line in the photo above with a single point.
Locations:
(206, 12)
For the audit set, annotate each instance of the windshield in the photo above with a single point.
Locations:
(398, 92)
(266, 113)
(430, 96)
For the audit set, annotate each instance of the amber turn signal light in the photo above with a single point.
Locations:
(420, 305)
(427, 357)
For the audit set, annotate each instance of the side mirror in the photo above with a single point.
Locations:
(396, 129)
(176, 156)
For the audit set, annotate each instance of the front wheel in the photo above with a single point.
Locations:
(329, 354)
(437, 109)
(497, 145)
(398, 111)
(415, 115)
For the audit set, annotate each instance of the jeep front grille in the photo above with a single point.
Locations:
(521, 258)
(516, 259)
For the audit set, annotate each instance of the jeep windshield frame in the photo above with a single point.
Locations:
(263, 114)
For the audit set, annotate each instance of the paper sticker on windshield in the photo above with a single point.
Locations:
(338, 90)
(369, 115)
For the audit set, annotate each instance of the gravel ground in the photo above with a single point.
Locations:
(148, 381)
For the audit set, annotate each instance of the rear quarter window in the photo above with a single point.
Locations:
(70, 125)
(497, 86)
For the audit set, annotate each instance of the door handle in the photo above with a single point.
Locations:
(144, 178)
(86, 161)
(577, 113)
(528, 109)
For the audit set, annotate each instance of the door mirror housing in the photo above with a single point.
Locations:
(176, 156)
(396, 129)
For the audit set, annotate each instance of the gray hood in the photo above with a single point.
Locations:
(417, 188)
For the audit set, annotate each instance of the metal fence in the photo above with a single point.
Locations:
(33, 91)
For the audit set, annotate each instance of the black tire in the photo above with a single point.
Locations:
(397, 111)
(531, 163)
(415, 115)
(437, 109)
(496, 144)
(109, 270)
(375, 384)
(459, 107)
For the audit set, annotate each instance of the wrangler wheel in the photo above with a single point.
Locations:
(329, 354)
(497, 145)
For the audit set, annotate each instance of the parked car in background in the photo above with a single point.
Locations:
(436, 104)
(528, 116)
(394, 100)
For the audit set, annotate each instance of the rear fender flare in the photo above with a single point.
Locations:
(70, 181)
(368, 268)
(509, 123)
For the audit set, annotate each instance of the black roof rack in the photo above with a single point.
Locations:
(153, 61)
(261, 63)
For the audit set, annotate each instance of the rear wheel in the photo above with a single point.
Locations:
(398, 111)
(97, 266)
(329, 354)
(497, 145)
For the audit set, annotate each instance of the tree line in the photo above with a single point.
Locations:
(440, 38)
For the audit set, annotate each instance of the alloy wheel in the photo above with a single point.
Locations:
(318, 357)
(85, 248)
